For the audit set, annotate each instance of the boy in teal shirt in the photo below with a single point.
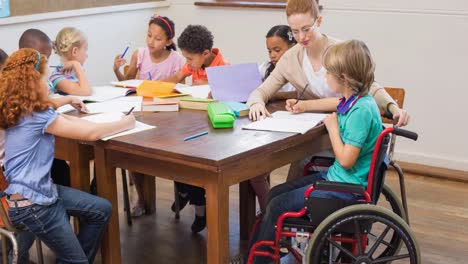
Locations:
(353, 132)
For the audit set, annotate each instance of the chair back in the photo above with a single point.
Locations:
(4, 220)
(126, 68)
(398, 94)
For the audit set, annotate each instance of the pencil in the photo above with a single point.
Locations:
(300, 96)
(196, 135)
(130, 111)
(149, 76)
(125, 51)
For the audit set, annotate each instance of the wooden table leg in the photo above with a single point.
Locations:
(107, 188)
(217, 209)
(246, 209)
(79, 158)
(149, 191)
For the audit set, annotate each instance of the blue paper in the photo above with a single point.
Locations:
(233, 82)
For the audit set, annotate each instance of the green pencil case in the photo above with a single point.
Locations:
(221, 116)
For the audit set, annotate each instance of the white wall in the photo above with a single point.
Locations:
(419, 45)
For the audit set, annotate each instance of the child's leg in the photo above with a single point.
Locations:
(93, 213)
(261, 187)
(51, 225)
(138, 179)
(197, 198)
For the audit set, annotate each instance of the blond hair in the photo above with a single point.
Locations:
(303, 7)
(67, 38)
(351, 62)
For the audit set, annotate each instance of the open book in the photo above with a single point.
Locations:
(104, 93)
(283, 121)
(133, 84)
(115, 116)
(198, 91)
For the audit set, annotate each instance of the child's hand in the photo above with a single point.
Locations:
(331, 122)
(70, 66)
(119, 62)
(199, 82)
(258, 111)
(294, 107)
(78, 104)
(129, 121)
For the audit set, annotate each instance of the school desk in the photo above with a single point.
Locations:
(215, 161)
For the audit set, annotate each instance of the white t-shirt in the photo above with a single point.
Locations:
(263, 69)
(317, 82)
(2, 146)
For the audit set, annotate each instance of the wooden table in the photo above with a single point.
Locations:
(215, 161)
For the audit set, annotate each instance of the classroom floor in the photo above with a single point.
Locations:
(438, 214)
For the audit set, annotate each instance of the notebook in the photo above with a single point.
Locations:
(198, 91)
(233, 82)
(104, 93)
(283, 121)
(128, 83)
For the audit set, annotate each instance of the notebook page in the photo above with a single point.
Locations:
(104, 93)
(198, 91)
(120, 104)
(282, 121)
(115, 116)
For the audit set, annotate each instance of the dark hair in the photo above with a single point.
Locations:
(284, 32)
(195, 39)
(167, 25)
(3, 57)
(31, 37)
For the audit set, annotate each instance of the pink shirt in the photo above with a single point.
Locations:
(160, 70)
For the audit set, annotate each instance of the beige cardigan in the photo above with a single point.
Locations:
(289, 69)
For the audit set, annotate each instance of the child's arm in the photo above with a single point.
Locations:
(345, 154)
(81, 87)
(176, 78)
(80, 129)
(132, 69)
(317, 105)
(73, 101)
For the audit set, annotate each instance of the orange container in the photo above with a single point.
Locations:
(155, 88)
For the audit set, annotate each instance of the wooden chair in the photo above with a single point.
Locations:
(7, 230)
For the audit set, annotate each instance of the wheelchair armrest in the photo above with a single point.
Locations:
(322, 161)
(339, 186)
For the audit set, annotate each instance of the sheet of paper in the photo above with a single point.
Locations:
(198, 91)
(104, 93)
(115, 116)
(65, 109)
(282, 121)
(120, 104)
(128, 83)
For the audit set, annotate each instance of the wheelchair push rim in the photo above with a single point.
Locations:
(356, 247)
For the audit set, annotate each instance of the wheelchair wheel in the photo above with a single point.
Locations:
(358, 220)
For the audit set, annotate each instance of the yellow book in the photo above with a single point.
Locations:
(195, 103)
(155, 88)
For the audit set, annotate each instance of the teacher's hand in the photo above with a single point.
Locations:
(258, 111)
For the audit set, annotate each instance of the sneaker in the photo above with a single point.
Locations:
(183, 201)
(238, 259)
(199, 223)
(137, 211)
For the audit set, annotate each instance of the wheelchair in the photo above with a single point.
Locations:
(339, 231)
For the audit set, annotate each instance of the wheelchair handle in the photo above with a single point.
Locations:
(405, 133)
(388, 115)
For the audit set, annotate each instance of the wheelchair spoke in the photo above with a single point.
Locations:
(390, 258)
(383, 241)
(378, 241)
(341, 248)
(358, 235)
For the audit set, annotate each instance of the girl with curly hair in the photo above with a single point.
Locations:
(35, 203)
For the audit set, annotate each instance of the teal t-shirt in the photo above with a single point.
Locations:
(360, 126)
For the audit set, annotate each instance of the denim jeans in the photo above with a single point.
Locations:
(51, 224)
(288, 197)
(25, 240)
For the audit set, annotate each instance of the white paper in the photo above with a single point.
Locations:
(128, 83)
(104, 93)
(198, 91)
(120, 104)
(282, 121)
(65, 109)
(115, 116)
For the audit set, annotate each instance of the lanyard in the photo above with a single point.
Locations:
(344, 105)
